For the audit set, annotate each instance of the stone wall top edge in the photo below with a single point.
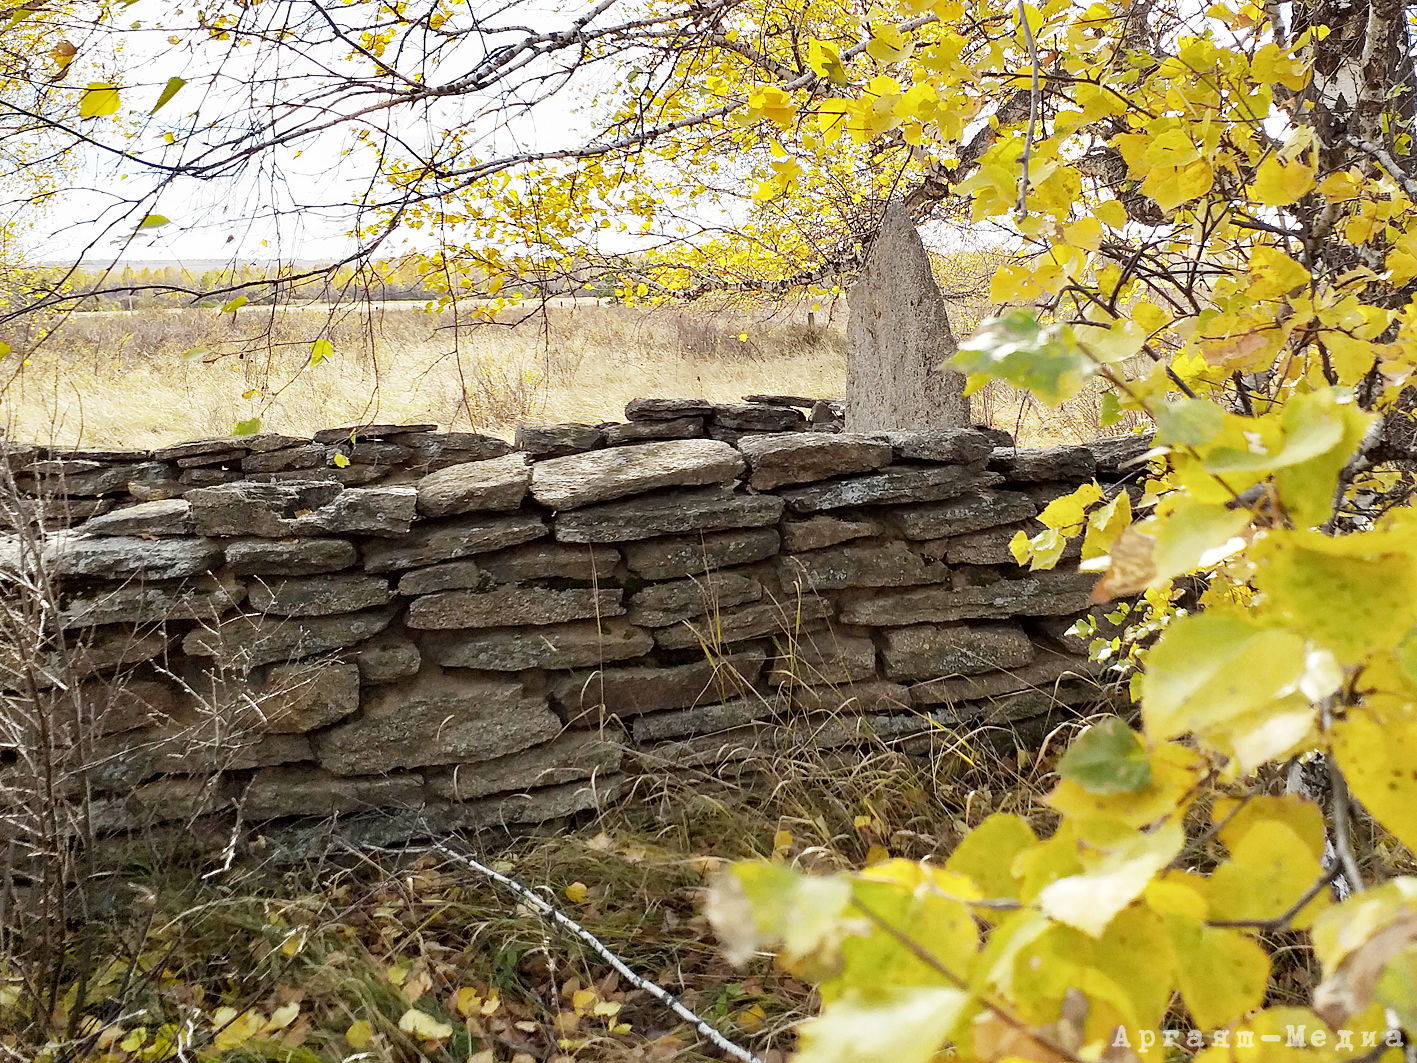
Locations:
(415, 446)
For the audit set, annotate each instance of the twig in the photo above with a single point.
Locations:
(1034, 100)
(1282, 920)
(1387, 162)
(558, 917)
(1342, 814)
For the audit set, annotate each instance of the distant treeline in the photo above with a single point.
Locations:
(144, 287)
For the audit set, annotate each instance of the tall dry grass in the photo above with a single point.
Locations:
(149, 377)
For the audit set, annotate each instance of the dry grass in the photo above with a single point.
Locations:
(148, 377)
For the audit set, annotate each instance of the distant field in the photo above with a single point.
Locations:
(148, 377)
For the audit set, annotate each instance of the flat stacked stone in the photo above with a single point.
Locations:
(557, 440)
(583, 479)
(703, 509)
(776, 460)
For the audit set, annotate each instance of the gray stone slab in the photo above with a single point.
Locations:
(578, 644)
(698, 554)
(902, 483)
(1044, 671)
(201, 598)
(300, 557)
(950, 446)
(666, 409)
(247, 508)
(969, 512)
(451, 539)
(280, 792)
(497, 485)
(511, 606)
(248, 640)
(662, 604)
(305, 696)
(343, 592)
(435, 719)
(796, 457)
(875, 564)
(678, 512)
(305, 456)
(386, 658)
(383, 511)
(752, 417)
(551, 560)
(603, 475)
(926, 651)
(1031, 595)
(617, 435)
(588, 698)
(743, 622)
(571, 757)
(824, 657)
(816, 533)
(114, 557)
(369, 431)
(449, 576)
(1032, 465)
(557, 440)
(166, 517)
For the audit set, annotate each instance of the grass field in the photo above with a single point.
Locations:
(149, 377)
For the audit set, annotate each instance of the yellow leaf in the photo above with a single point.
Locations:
(1371, 746)
(1277, 185)
(1221, 973)
(424, 1026)
(576, 892)
(1271, 866)
(340, 460)
(1274, 273)
(1111, 213)
(99, 100)
(889, 45)
(752, 1018)
(1114, 874)
(825, 61)
(467, 1001)
(238, 1031)
(283, 1016)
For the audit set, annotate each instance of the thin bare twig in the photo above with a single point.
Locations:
(548, 911)
(1034, 100)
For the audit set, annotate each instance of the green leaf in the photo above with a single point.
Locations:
(1109, 410)
(1017, 349)
(1188, 423)
(320, 350)
(906, 1025)
(4, 348)
(99, 100)
(152, 221)
(247, 428)
(1107, 758)
(235, 305)
(169, 90)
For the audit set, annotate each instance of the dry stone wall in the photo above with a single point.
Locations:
(449, 631)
